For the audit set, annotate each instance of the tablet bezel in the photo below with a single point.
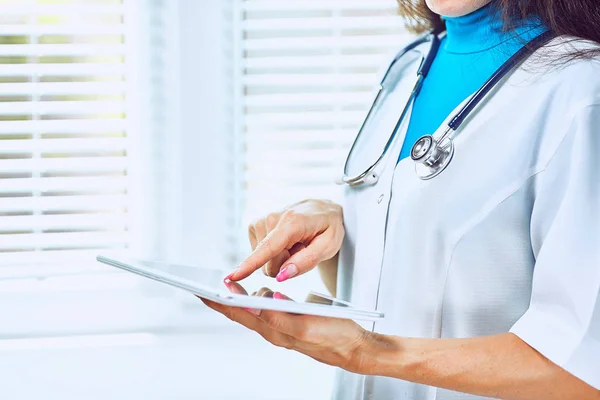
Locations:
(237, 300)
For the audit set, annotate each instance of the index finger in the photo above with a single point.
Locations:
(275, 242)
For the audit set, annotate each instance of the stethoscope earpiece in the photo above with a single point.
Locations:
(371, 178)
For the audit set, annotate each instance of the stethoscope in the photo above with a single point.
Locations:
(432, 155)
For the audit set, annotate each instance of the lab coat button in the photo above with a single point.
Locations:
(380, 199)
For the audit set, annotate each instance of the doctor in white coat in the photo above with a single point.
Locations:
(488, 273)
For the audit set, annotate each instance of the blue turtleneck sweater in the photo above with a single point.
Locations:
(474, 48)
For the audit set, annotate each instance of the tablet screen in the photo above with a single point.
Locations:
(256, 285)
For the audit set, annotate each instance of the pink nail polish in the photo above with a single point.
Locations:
(288, 272)
(228, 277)
(253, 311)
(278, 296)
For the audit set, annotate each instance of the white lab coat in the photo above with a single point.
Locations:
(506, 239)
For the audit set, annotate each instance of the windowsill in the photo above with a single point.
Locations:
(217, 363)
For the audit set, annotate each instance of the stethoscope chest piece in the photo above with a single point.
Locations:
(431, 157)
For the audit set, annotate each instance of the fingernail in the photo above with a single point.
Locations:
(288, 272)
(278, 296)
(228, 277)
(253, 311)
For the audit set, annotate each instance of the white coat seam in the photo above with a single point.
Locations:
(564, 138)
(583, 333)
(514, 189)
(467, 228)
(534, 171)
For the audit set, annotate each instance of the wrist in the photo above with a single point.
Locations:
(380, 355)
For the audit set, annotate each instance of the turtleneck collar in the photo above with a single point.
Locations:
(483, 29)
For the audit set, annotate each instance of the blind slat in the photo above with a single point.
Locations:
(64, 10)
(40, 50)
(78, 29)
(302, 80)
(62, 203)
(87, 184)
(274, 62)
(63, 126)
(64, 145)
(65, 107)
(379, 42)
(89, 222)
(304, 118)
(71, 70)
(75, 240)
(78, 164)
(308, 24)
(308, 5)
(301, 138)
(268, 156)
(74, 88)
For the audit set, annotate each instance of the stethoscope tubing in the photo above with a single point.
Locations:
(515, 60)
(443, 145)
(421, 74)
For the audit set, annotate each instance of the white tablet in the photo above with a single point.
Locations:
(210, 284)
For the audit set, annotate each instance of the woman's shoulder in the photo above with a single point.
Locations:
(559, 87)
(574, 55)
(561, 79)
(575, 69)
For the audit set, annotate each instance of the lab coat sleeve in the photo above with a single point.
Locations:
(563, 320)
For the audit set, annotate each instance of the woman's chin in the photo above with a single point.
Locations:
(455, 8)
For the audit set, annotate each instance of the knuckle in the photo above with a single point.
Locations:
(291, 217)
(289, 231)
(266, 242)
(336, 207)
(273, 322)
(257, 224)
(311, 258)
(272, 220)
(279, 341)
(252, 228)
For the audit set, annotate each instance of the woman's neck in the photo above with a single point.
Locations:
(482, 30)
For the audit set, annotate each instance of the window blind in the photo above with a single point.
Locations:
(65, 133)
(308, 69)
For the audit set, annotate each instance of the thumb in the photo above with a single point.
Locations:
(304, 260)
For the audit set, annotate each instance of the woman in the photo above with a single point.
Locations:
(489, 274)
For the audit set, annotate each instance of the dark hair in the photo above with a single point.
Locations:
(576, 18)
